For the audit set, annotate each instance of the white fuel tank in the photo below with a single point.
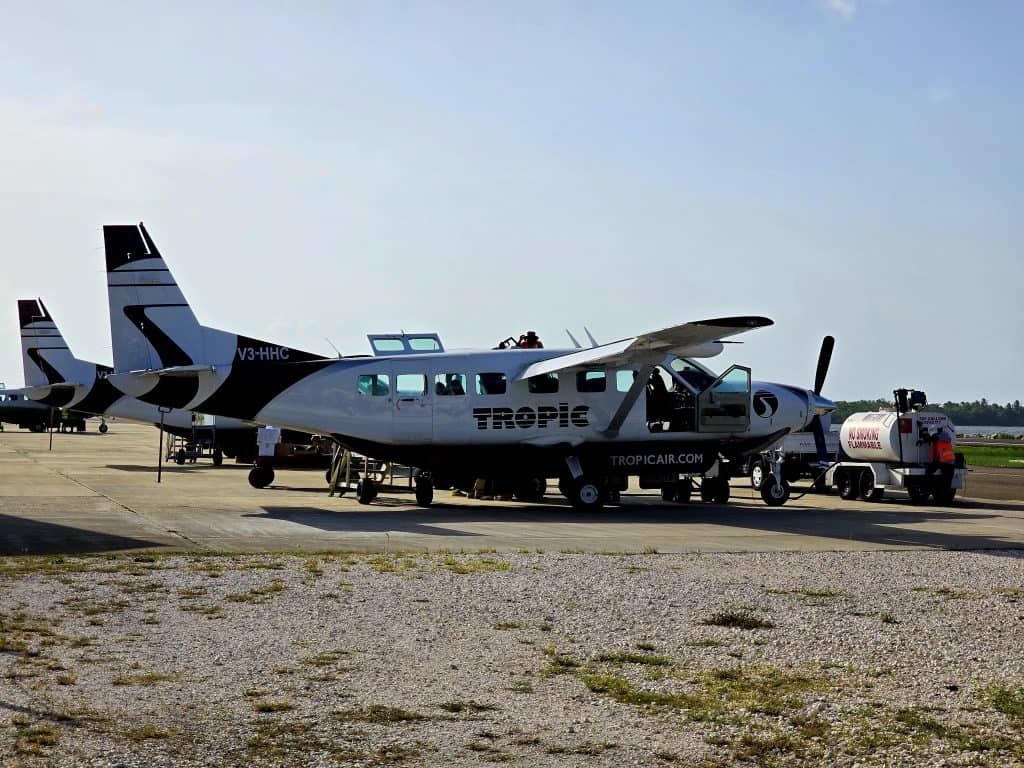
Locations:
(876, 436)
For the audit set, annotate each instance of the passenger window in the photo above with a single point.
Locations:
(410, 384)
(544, 384)
(491, 384)
(591, 381)
(450, 384)
(375, 384)
(388, 345)
(624, 380)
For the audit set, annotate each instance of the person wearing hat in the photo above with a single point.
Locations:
(532, 341)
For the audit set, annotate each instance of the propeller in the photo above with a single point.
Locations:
(824, 360)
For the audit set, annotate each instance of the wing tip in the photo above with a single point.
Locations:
(741, 321)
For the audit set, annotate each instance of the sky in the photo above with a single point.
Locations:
(317, 171)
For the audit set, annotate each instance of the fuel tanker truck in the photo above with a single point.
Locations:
(892, 449)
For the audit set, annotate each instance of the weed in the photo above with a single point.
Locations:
(324, 659)
(259, 594)
(379, 714)
(509, 625)
(887, 618)
(521, 686)
(269, 705)
(1009, 701)
(466, 706)
(737, 620)
(629, 657)
(144, 678)
(644, 646)
(66, 678)
(146, 732)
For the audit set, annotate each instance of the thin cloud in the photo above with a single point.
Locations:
(845, 8)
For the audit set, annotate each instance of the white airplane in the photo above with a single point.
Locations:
(54, 376)
(642, 406)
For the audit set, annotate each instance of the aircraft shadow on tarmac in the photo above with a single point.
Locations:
(172, 468)
(884, 528)
(19, 536)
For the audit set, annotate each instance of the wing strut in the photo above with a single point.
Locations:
(639, 383)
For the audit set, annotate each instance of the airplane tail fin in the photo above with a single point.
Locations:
(45, 355)
(151, 324)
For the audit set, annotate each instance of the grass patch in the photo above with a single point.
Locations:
(474, 565)
(325, 659)
(145, 678)
(1008, 701)
(456, 707)
(737, 620)
(270, 705)
(521, 686)
(993, 456)
(379, 715)
(587, 748)
(259, 594)
(146, 733)
(630, 657)
(887, 618)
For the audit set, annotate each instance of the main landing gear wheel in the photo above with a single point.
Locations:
(103, 429)
(261, 477)
(424, 491)
(714, 490)
(757, 473)
(847, 486)
(587, 495)
(774, 493)
(367, 492)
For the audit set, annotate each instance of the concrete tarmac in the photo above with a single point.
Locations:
(98, 493)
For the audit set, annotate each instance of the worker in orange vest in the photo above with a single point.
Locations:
(942, 454)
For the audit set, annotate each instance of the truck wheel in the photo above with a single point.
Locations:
(261, 477)
(773, 493)
(365, 492)
(945, 496)
(587, 495)
(757, 473)
(424, 492)
(847, 488)
(868, 492)
(918, 495)
(684, 489)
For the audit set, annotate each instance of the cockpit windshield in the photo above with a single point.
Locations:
(696, 375)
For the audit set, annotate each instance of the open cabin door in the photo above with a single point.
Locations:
(725, 405)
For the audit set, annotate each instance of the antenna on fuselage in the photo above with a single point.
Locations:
(333, 347)
(573, 339)
(593, 341)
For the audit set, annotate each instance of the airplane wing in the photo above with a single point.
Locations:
(688, 340)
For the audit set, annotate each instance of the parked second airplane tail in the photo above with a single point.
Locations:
(60, 378)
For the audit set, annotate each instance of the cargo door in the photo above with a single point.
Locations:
(412, 416)
(725, 405)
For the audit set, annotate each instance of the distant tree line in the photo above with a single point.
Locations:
(979, 413)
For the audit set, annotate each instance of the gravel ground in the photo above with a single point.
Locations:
(909, 658)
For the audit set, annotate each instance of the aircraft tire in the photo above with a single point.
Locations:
(424, 493)
(261, 477)
(218, 457)
(103, 429)
(847, 486)
(757, 473)
(587, 495)
(365, 492)
(773, 493)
